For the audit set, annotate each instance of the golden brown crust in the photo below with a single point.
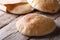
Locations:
(51, 6)
(35, 25)
(12, 6)
(19, 8)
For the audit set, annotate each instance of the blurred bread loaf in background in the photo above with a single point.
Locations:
(50, 6)
(19, 8)
(2, 2)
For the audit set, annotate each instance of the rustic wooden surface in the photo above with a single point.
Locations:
(6, 18)
(8, 29)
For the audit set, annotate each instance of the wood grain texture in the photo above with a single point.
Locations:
(1, 12)
(9, 29)
(10, 32)
(58, 21)
(57, 33)
(52, 16)
(16, 36)
(6, 18)
(40, 39)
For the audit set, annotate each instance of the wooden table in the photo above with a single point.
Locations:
(8, 29)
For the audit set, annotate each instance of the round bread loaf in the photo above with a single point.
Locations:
(50, 6)
(35, 25)
(19, 8)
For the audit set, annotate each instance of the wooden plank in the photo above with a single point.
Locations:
(1, 12)
(57, 38)
(6, 18)
(40, 39)
(2, 7)
(7, 33)
(19, 36)
(58, 21)
(16, 36)
(53, 16)
(56, 34)
(57, 31)
(9, 29)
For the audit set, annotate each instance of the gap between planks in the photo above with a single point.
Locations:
(6, 18)
(7, 30)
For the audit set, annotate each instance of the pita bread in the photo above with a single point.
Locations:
(35, 24)
(19, 8)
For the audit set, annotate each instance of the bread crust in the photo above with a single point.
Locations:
(19, 8)
(50, 6)
(35, 25)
